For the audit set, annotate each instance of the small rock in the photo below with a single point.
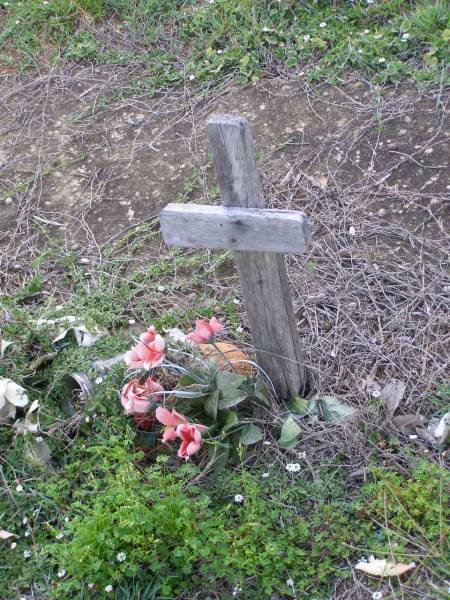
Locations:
(382, 212)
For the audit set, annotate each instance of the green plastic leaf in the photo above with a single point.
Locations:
(298, 406)
(229, 386)
(230, 419)
(250, 434)
(211, 405)
(330, 408)
(290, 433)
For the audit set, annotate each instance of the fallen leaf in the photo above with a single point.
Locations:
(322, 181)
(383, 568)
(82, 335)
(4, 535)
(392, 394)
(440, 430)
(330, 408)
(409, 420)
(228, 353)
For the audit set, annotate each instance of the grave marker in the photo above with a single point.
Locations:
(258, 236)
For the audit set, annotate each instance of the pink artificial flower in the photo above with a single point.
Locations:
(135, 395)
(204, 330)
(171, 420)
(148, 352)
(191, 439)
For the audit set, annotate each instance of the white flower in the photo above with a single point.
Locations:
(66, 519)
(293, 467)
(378, 36)
(265, 29)
(60, 536)
(91, 585)
(131, 321)
(382, 60)
(191, 77)
(24, 520)
(13, 545)
(267, 443)
(19, 488)
(376, 393)
(12, 396)
(26, 554)
(121, 556)
(377, 595)
(370, 1)
(405, 37)
(306, 38)
(352, 231)
(62, 573)
(302, 454)
(413, 437)
(99, 380)
(45, 2)
(239, 499)
(161, 288)
(17, 22)
(219, 51)
(108, 588)
(239, 329)
(39, 439)
(236, 301)
(265, 475)
(323, 24)
(87, 419)
(27, 533)
(366, 31)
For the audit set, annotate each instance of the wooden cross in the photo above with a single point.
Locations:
(259, 236)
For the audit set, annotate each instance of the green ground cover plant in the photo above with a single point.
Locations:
(386, 40)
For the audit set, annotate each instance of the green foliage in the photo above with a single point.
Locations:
(412, 508)
(387, 41)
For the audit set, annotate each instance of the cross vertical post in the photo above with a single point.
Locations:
(263, 276)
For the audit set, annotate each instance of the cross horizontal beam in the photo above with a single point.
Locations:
(235, 228)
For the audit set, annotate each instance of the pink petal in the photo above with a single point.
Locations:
(195, 337)
(193, 448)
(181, 419)
(203, 329)
(165, 417)
(169, 435)
(141, 406)
(159, 344)
(215, 326)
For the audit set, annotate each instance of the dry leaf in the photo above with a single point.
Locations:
(392, 393)
(409, 420)
(322, 181)
(228, 353)
(383, 568)
(4, 535)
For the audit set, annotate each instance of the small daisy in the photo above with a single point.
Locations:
(19, 488)
(382, 60)
(66, 519)
(24, 520)
(27, 533)
(302, 455)
(121, 557)
(191, 78)
(239, 329)
(377, 595)
(62, 573)
(405, 37)
(306, 38)
(99, 380)
(219, 51)
(108, 588)
(265, 475)
(236, 301)
(323, 24)
(293, 467)
(87, 419)
(413, 437)
(13, 545)
(239, 499)
(290, 583)
(91, 585)
(376, 394)
(26, 554)
(39, 439)
(161, 288)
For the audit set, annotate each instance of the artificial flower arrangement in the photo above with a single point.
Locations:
(212, 389)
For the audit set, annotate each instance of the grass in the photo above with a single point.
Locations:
(386, 40)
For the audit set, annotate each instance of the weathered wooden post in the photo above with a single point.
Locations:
(259, 236)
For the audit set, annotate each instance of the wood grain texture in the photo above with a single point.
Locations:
(263, 275)
(235, 228)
